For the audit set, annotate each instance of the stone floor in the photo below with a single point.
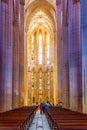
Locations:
(39, 122)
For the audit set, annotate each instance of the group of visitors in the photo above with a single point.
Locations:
(47, 105)
(44, 106)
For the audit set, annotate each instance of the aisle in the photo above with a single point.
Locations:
(39, 122)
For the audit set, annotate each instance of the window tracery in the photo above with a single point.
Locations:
(32, 46)
(40, 50)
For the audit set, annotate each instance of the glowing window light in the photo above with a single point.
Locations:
(40, 48)
(48, 49)
(32, 47)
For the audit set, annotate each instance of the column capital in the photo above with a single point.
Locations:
(6, 1)
(58, 2)
(22, 2)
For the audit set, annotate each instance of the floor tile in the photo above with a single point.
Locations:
(39, 122)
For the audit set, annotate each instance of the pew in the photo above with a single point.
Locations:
(17, 119)
(64, 119)
(76, 127)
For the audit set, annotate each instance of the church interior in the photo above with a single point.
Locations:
(43, 58)
(43, 53)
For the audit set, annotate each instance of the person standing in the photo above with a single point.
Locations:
(40, 108)
(43, 107)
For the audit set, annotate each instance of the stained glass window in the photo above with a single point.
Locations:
(32, 78)
(40, 79)
(48, 79)
(40, 48)
(48, 49)
(32, 52)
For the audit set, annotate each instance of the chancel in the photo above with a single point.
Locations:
(43, 56)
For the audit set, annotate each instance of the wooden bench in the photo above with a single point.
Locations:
(71, 127)
(64, 119)
(17, 119)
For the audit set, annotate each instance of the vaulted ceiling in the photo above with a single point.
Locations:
(35, 8)
(50, 1)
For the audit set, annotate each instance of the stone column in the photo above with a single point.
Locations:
(55, 84)
(75, 53)
(51, 86)
(8, 56)
(25, 67)
(65, 89)
(3, 51)
(84, 52)
(2, 87)
(59, 13)
(21, 53)
(0, 56)
(15, 85)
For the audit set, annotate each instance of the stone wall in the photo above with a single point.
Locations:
(75, 52)
(11, 61)
(84, 52)
(69, 54)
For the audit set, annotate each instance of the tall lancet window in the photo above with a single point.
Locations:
(40, 51)
(48, 49)
(48, 79)
(32, 78)
(32, 49)
(40, 79)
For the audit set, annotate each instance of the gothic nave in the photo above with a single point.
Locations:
(43, 53)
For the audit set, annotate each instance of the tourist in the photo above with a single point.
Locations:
(60, 104)
(43, 107)
(40, 108)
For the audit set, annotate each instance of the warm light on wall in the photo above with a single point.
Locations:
(32, 55)
(40, 48)
(48, 49)
(40, 35)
